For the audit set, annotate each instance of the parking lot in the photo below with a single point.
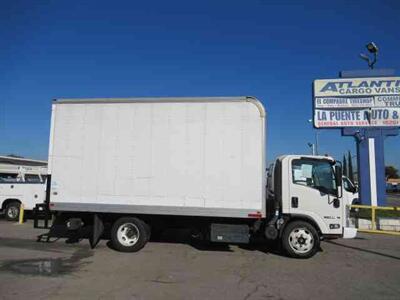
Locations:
(393, 199)
(364, 268)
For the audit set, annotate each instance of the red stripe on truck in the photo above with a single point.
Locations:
(255, 215)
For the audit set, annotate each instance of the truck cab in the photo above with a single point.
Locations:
(306, 194)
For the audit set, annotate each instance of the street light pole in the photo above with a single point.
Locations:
(312, 147)
(315, 145)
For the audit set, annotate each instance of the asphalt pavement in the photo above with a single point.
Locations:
(367, 267)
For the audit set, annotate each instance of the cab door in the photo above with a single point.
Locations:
(313, 193)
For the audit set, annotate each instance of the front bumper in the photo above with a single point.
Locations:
(349, 232)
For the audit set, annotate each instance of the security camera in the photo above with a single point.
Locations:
(372, 48)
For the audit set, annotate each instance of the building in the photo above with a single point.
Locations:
(393, 185)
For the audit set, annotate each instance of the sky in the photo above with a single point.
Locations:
(272, 50)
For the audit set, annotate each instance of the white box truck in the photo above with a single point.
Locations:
(140, 164)
(21, 184)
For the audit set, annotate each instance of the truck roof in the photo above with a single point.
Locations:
(251, 99)
(12, 160)
(308, 156)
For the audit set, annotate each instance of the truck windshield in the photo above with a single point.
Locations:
(316, 174)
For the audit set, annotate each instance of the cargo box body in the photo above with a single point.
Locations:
(167, 156)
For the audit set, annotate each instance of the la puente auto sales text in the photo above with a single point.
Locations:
(357, 115)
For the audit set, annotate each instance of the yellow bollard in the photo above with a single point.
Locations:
(373, 223)
(21, 214)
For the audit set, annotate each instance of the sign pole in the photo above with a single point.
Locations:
(371, 162)
(371, 150)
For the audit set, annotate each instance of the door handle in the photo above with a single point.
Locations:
(295, 202)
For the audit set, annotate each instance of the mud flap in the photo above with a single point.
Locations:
(98, 229)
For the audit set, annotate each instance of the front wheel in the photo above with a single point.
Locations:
(300, 239)
(129, 234)
(12, 211)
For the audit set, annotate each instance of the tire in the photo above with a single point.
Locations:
(129, 234)
(300, 239)
(12, 211)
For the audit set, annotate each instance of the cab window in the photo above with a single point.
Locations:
(8, 178)
(32, 178)
(18, 178)
(317, 174)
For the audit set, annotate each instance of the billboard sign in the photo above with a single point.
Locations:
(357, 102)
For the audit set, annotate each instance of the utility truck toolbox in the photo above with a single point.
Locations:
(143, 164)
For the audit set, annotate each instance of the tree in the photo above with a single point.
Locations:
(391, 172)
(350, 163)
(344, 165)
(14, 156)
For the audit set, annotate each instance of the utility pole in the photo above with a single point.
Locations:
(312, 147)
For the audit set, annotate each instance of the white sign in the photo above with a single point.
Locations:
(347, 87)
(357, 102)
(357, 117)
(387, 101)
(336, 102)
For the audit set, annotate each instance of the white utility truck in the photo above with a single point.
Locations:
(21, 184)
(350, 192)
(142, 164)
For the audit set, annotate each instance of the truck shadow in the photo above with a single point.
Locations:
(172, 236)
(181, 236)
(266, 247)
(57, 232)
(184, 236)
(363, 250)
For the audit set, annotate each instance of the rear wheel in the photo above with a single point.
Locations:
(129, 234)
(300, 239)
(12, 211)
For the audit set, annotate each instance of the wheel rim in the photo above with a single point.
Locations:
(128, 234)
(12, 212)
(301, 240)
